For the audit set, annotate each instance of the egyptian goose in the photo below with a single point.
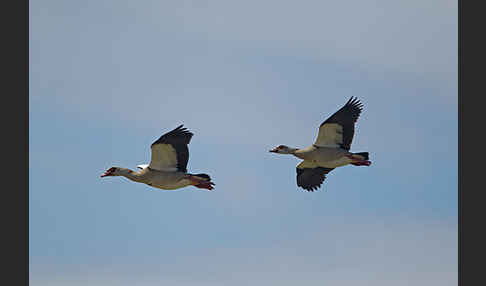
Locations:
(331, 148)
(168, 165)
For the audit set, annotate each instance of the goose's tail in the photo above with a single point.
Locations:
(202, 181)
(361, 159)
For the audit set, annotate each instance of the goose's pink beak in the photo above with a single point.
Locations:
(108, 172)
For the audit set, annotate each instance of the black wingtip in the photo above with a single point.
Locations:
(310, 188)
(355, 102)
(183, 134)
(180, 129)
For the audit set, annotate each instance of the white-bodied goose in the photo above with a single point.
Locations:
(168, 165)
(331, 148)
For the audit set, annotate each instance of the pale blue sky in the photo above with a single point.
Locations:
(107, 78)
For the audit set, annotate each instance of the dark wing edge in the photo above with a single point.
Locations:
(310, 179)
(178, 138)
(347, 117)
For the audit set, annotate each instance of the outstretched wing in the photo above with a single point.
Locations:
(170, 152)
(310, 176)
(338, 130)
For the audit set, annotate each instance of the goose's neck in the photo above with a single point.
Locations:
(131, 175)
(292, 150)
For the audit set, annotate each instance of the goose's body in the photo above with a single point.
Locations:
(163, 179)
(324, 156)
(331, 148)
(168, 165)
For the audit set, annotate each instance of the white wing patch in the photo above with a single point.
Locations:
(330, 135)
(307, 164)
(164, 158)
(143, 166)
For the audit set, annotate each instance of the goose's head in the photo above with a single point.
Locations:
(113, 171)
(282, 149)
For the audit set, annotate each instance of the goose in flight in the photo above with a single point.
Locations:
(331, 148)
(168, 165)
